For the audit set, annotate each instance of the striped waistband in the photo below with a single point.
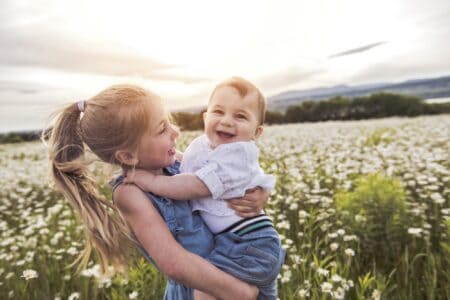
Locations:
(248, 225)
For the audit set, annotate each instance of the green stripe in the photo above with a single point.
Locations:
(253, 227)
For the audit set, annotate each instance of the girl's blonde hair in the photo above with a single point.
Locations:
(114, 119)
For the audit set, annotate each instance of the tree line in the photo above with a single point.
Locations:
(379, 105)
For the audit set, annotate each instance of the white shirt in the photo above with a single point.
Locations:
(228, 171)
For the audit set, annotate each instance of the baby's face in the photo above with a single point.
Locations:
(231, 117)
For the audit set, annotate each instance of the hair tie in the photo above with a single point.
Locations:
(80, 105)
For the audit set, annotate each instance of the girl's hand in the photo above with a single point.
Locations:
(251, 204)
(141, 178)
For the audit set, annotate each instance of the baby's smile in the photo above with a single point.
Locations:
(225, 135)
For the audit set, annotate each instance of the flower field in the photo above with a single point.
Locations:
(363, 209)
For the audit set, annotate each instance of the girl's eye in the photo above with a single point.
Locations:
(217, 111)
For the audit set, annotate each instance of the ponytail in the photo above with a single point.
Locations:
(105, 229)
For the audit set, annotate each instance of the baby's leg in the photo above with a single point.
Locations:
(198, 295)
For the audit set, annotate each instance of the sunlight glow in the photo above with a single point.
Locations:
(181, 49)
(193, 33)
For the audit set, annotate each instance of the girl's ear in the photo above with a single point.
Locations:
(259, 131)
(126, 157)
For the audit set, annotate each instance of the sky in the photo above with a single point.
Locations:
(57, 52)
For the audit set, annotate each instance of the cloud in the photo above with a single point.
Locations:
(44, 47)
(22, 87)
(358, 50)
(28, 88)
(283, 79)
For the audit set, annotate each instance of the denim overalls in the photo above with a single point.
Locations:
(255, 257)
(187, 228)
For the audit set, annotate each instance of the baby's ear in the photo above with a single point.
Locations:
(259, 130)
(126, 157)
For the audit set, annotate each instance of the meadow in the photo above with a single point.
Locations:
(362, 207)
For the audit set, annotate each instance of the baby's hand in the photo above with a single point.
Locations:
(141, 178)
(251, 203)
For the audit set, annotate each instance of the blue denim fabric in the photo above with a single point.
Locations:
(187, 228)
(176, 291)
(255, 258)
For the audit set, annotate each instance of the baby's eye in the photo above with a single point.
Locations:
(242, 116)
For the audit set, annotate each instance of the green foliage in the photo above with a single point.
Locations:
(274, 117)
(378, 105)
(380, 136)
(381, 105)
(19, 137)
(188, 121)
(445, 274)
(11, 138)
(377, 214)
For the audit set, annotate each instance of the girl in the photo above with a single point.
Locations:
(127, 126)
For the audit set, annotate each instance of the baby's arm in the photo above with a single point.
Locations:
(178, 187)
(172, 259)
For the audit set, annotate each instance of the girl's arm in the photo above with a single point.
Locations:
(177, 187)
(171, 258)
(188, 186)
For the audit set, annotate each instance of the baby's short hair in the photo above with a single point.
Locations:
(245, 87)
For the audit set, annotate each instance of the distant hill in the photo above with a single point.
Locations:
(422, 88)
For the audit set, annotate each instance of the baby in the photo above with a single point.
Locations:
(222, 164)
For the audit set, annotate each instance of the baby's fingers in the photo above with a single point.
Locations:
(242, 202)
(244, 211)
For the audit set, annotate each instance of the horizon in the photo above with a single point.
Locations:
(56, 53)
(190, 109)
(194, 110)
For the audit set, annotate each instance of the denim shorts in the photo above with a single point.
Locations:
(255, 258)
(176, 291)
